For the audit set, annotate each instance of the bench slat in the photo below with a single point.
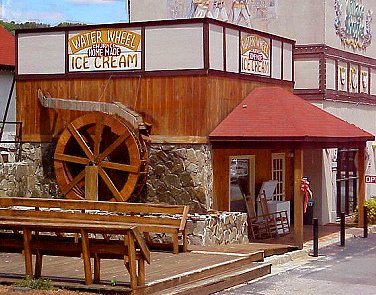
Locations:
(92, 217)
(169, 219)
(94, 205)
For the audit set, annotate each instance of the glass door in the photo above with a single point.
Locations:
(242, 170)
(347, 179)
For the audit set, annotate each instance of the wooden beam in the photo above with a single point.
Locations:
(298, 200)
(361, 190)
(91, 183)
(178, 139)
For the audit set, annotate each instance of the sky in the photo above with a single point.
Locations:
(55, 11)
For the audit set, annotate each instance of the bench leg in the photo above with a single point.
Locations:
(86, 257)
(141, 272)
(38, 265)
(175, 243)
(97, 269)
(27, 253)
(185, 241)
(132, 260)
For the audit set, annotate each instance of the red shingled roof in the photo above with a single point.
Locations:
(7, 48)
(272, 113)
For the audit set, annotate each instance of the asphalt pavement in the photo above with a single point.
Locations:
(349, 270)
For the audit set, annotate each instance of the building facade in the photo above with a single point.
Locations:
(334, 68)
(7, 95)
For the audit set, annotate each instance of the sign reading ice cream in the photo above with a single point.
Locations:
(255, 55)
(104, 50)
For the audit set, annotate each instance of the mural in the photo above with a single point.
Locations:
(240, 12)
(353, 24)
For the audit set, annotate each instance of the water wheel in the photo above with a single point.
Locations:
(105, 141)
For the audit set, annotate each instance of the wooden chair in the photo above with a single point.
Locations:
(257, 227)
(278, 221)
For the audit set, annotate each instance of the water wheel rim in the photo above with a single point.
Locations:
(86, 133)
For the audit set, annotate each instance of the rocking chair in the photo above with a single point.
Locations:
(278, 221)
(257, 227)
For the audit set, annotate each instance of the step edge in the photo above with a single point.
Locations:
(213, 269)
(263, 269)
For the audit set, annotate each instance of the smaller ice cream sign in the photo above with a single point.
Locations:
(255, 55)
(104, 50)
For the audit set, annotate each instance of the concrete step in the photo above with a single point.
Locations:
(224, 280)
(242, 261)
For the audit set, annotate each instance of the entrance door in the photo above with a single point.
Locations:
(347, 178)
(241, 167)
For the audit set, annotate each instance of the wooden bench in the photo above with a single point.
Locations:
(70, 233)
(59, 236)
(149, 218)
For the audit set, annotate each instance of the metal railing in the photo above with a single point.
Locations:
(16, 143)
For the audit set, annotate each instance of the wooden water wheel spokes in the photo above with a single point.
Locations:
(106, 142)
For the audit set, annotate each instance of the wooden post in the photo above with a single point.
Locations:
(132, 259)
(86, 257)
(27, 252)
(298, 200)
(362, 188)
(97, 269)
(91, 183)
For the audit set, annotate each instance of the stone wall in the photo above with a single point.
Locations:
(33, 176)
(13, 179)
(220, 228)
(180, 174)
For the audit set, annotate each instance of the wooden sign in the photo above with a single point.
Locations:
(255, 55)
(104, 50)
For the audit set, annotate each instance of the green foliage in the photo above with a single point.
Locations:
(12, 25)
(371, 205)
(113, 282)
(68, 24)
(39, 284)
(371, 215)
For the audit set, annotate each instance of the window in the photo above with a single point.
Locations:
(278, 173)
(241, 167)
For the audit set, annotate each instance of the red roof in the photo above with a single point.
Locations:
(7, 48)
(272, 113)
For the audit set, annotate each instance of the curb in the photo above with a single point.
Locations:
(323, 242)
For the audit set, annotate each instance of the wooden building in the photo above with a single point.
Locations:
(183, 77)
(334, 69)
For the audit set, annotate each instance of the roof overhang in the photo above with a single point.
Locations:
(275, 117)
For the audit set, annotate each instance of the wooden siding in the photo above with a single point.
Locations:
(263, 172)
(174, 105)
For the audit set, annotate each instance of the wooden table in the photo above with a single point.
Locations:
(132, 238)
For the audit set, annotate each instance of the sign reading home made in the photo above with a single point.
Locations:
(255, 55)
(104, 50)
